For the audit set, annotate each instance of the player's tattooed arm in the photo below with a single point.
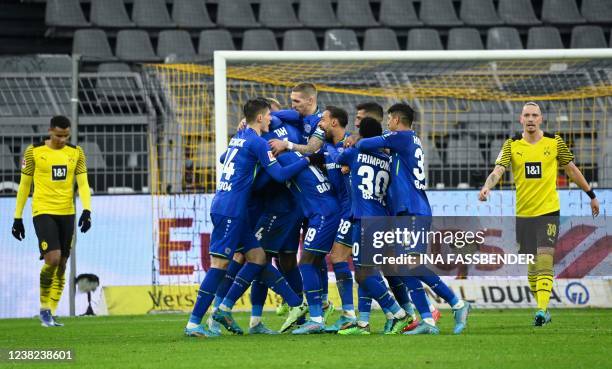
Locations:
(313, 145)
(491, 182)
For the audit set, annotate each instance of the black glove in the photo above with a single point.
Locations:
(85, 221)
(18, 230)
(318, 160)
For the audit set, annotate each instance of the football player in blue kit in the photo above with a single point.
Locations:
(407, 197)
(247, 153)
(369, 178)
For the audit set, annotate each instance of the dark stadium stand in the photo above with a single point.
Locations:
(114, 36)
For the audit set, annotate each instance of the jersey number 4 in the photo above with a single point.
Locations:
(228, 164)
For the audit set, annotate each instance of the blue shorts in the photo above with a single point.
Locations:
(279, 232)
(344, 235)
(321, 233)
(230, 235)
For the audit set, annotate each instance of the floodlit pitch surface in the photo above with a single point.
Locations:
(494, 339)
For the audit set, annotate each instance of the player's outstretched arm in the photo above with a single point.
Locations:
(576, 176)
(271, 165)
(491, 182)
(313, 145)
(371, 144)
(289, 117)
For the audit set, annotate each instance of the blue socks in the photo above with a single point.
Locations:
(344, 281)
(312, 287)
(417, 294)
(440, 288)
(323, 278)
(242, 281)
(226, 283)
(206, 294)
(275, 281)
(294, 278)
(380, 293)
(364, 304)
(259, 292)
(401, 293)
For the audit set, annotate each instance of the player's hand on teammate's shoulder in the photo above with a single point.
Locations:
(595, 207)
(241, 125)
(18, 230)
(277, 146)
(484, 193)
(351, 140)
(85, 221)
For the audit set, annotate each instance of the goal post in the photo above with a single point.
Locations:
(481, 76)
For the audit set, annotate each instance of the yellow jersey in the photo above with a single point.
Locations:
(535, 167)
(54, 173)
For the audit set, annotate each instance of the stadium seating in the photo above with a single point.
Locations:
(479, 13)
(135, 45)
(588, 37)
(302, 39)
(277, 14)
(518, 13)
(398, 13)
(424, 39)
(65, 13)
(439, 13)
(561, 12)
(356, 13)
(340, 39)
(236, 14)
(597, 11)
(464, 39)
(216, 39)
(544, 38)
(317, 14)
(259, 39)
(380, 39)
(151, 14)
(503, 38)
(176, 42)
(92, 44)
(110, 14)
(191, 14)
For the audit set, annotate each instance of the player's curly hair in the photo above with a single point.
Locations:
(370, 127)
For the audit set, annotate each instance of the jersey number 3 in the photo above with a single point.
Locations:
(58, 172)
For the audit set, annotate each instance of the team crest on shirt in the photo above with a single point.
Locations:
(307, 128)
(546, 151)
(44, 245)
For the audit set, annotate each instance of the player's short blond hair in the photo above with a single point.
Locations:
(305, 88)
(273, 102)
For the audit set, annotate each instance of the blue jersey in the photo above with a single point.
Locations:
(370, 175)
(407, 190)
(277, 197)
(306, 125)
(246, 154)
(311, 188)
(340, 182)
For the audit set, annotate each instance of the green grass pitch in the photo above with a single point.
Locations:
(494, 339)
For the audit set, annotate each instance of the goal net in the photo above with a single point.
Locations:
(468, 103)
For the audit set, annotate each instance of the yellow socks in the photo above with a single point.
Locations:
(47, 274)
(57, 287)
(532, 277)
(544, 282)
